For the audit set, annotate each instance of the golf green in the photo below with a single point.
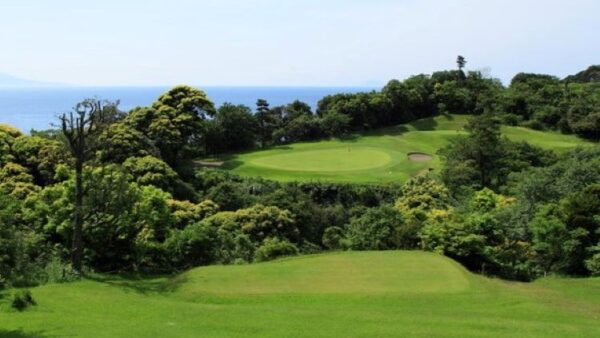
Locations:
(378, 156)
(344, 158)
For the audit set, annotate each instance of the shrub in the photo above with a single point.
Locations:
(593, 264)
(376, 229)
(191, 246)
(57, 271)
(273, 248)
(22, 299)
(533, 124)
(332, 237)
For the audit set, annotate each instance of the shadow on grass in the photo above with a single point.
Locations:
(427, 124)
(141, 284)
(389, 131)
(21, 334)
(231, 164)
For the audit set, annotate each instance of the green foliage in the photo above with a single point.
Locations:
(335, 124)
(593, 263)
(135, 195)
(484, 158)
(260, 222)
(121, 142)
(272, 248)
(192, 246)
(333, 237)
(56, 271)
(421, 195)
(174, 123)
(185, 213)
(41, 156)
(377, 229)
(22, 250)
(228, 195)
(22, 299)
(233, 128)
(150, 170)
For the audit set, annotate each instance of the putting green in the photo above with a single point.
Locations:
(377, 156)
(337, 159)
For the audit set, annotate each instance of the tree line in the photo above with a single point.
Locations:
(537, 101)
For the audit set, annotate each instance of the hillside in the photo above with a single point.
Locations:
(376, 156)
(350, 294)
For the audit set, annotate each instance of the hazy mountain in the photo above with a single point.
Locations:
(7, 80)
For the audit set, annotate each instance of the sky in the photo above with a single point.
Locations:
(290, 42)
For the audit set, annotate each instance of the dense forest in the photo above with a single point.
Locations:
(115, 191)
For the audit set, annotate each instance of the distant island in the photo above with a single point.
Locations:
(7, 80)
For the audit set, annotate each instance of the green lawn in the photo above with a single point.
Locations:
(350, 294)
(376, 156)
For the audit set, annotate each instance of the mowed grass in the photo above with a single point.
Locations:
(349, 294)
(377, 156)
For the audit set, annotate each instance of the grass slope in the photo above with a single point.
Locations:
(350, 294)
(376, 156)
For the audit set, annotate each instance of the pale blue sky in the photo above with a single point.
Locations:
(285, 42)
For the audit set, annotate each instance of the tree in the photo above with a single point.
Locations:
(80, 129)
(461, 62)
(121, 141)
(235, 129)
(334, 124)
(41, 156)
(150, 170)
(266, 121)
(479, 154)
(376, 229)
(174, 123)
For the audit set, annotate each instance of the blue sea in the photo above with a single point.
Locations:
(38, 108)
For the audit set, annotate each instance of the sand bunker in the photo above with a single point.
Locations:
(419, 157)
(211, 164)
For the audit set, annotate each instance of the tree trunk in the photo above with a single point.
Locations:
(77, 249)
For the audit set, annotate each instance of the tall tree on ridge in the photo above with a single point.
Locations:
(461, 62)
(265, 121)
(81, 128)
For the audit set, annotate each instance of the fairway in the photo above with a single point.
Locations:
(346, 294)
(378, 156)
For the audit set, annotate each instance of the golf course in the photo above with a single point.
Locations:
(340, 294)
(380, 156)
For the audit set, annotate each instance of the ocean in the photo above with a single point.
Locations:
(38, 108)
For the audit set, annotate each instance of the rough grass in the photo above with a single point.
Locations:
(350, 294)
(375, 156)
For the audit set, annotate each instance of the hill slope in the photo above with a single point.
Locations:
(350, 294)
(376, 156)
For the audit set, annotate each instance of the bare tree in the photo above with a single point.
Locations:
(80, 128)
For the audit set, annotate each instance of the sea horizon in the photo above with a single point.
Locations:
(37, 107)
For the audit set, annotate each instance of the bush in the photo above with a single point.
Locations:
(192, 246)
(376, 229)
(333, 237)
(57, 271)
(533, 124)
(22, 299)
(273, 248)
(593, 264)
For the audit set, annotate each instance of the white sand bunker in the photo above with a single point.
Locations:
(419, 157)
(210, 164)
